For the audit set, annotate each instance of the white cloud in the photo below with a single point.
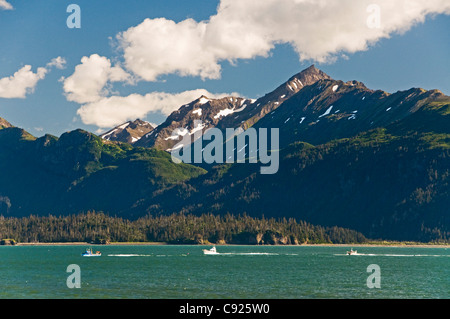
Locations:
(25, 80)
(317, 29)
(5, 5)
(110, 111)
(21, 83)
(161, 46)
(90, 80)
(90, 85)
(58, 62)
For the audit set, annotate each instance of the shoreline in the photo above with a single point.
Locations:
(405, 245)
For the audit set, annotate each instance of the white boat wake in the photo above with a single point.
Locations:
(392, 255)
(253, 254)
(265, 254)
(213, 251)
(129, 255)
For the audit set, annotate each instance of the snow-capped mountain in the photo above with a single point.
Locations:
(183, 121)
(349, 156)
(129, 132)
(227, 112)
(310, 107)
(329, 109)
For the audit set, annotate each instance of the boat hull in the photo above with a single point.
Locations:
(209, 252)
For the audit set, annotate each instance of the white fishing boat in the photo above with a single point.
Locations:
(90, 253)
(211, 251)
(352, 252)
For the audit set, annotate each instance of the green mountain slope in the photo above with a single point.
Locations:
(330, 109)
(374, 162)
(385, 186)
(79, 172)
(388, 182)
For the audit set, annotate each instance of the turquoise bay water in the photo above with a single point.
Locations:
(238, 272)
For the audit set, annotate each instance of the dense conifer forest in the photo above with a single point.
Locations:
(100, 228)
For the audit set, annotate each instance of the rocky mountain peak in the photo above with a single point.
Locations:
(4, 123)
(128, 132)
(307, 77)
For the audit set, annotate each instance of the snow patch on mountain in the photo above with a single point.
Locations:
(199, 127)
(107, 136)
(226, 112)
(177, 133)
(203, 100)
(123, 126)
(327, 111)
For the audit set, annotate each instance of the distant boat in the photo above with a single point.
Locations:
(211, 251)
(352, 252)
(89, 253)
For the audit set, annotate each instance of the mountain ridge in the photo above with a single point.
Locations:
(227, 112)
(350, 156)
(325, 95)
(128, 132)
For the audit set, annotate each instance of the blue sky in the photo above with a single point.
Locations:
(411, 51)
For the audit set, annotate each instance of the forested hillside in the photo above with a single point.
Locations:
(177, 229)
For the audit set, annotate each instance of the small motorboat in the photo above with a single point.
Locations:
(211, 251)
(352, 252)
(90, 253)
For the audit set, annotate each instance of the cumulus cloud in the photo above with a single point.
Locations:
(90, 85)
(25, 80)
(21, 83)
(89, 82)
(161, 46)
(111, 111)
(318, 30)
(5, 5)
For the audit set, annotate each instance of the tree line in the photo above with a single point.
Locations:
(100, 228)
